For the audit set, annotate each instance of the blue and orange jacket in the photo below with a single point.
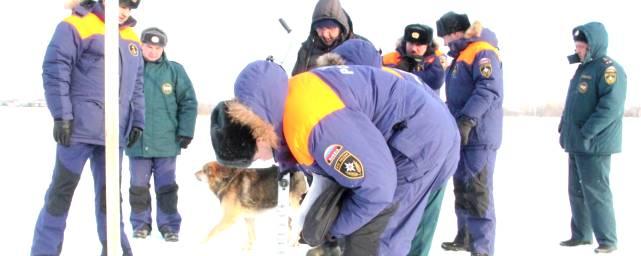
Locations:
(73, 75)
(431, 70)
(350, 123)
(474, 87)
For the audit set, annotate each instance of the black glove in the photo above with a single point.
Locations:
(134, 135)
(183, 141)
(407, 63)
(62, 132)
(465, 125)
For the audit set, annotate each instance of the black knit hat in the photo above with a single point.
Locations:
(133, 4)
(418, 33)
(578, 35)
(451, 22)
(234, 144)
(154, 36)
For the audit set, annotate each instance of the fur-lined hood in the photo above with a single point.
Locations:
(260, 90)
(352, 52)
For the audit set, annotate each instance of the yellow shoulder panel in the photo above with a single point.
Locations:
(88, 25)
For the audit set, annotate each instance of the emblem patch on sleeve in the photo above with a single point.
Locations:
(610, 75)
(349, 166)
(331, 153)
(485, 67)
(133, 49)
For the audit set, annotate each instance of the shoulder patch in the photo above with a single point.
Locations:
(610, 75)
(133, 49)
(331, 153)
(485, 67)
(349, 166)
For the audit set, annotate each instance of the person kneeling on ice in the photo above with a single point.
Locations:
(380, 137)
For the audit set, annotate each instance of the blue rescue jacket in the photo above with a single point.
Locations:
(73, 75)
(474, 87)
(352, 124)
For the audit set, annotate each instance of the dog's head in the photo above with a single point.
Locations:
(215, 175)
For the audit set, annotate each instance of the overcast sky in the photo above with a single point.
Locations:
(214, 40)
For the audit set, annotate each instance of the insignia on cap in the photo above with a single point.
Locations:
(155, 39)
(349, 166)
(134, 1)
(133, 49)
(583, 87)
(416, 35)
(610, 75)
(167, 88)
(576, 32)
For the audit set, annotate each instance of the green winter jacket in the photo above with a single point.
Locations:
(593, 113)
(170, 110)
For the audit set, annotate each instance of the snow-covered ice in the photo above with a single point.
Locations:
(533, 213)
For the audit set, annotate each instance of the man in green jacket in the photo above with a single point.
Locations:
(590, 132)
(170, 115)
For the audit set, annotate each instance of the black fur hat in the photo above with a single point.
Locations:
(233, 142)
(133, 4)
(154, 36)
(451, 22)
(418, 33)
(578, 35)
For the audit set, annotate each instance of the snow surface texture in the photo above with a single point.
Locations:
(533, 211)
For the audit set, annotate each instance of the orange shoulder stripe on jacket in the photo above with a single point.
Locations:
(129, 34)
(88, 25)
(392, 58)
(309, 100)
(471, 50)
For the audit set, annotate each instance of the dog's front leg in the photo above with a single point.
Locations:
(251, 233)
(230, 215)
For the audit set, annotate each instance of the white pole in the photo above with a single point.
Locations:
(282, 233)
(112, 161)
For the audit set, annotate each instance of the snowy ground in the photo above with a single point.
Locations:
(530, 188)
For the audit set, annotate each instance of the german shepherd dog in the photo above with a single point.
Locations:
(244, 192)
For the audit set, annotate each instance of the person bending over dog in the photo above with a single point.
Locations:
(382, 138)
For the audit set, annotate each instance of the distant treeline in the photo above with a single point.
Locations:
(557, 110)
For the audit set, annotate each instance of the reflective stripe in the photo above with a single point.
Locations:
(469, 54)
(392, 71)
(309, 100)
(87, 26)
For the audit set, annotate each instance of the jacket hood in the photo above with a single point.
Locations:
(597, 38)
(331, 9)
(352, 52)
(476, 32)
(262, 87)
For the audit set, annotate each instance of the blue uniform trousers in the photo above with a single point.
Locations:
(474, 199)
(51, 223)
(163, 170)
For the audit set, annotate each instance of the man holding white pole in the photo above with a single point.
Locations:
(74, 83)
